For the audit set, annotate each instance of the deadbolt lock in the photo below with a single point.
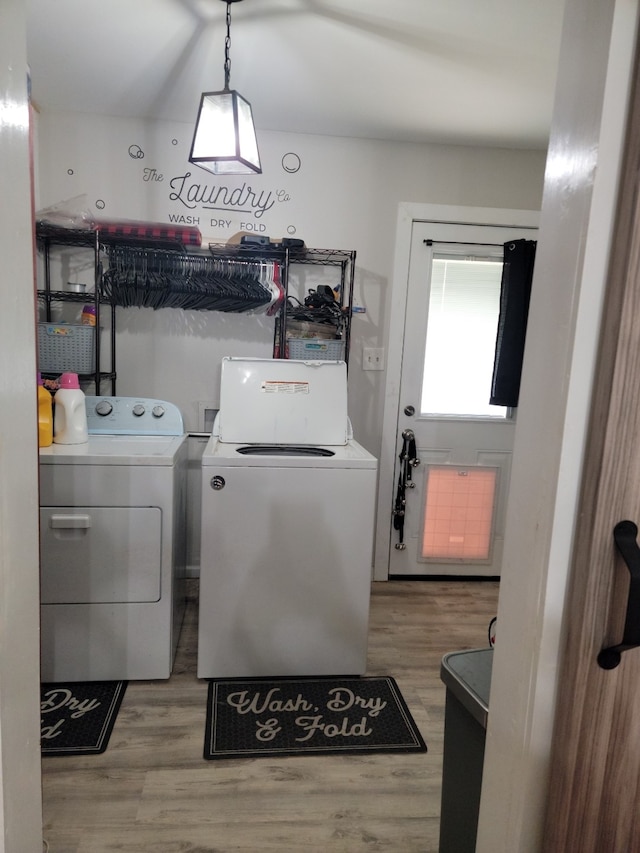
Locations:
(218, 483)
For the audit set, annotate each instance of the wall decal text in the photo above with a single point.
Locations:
(242, 199)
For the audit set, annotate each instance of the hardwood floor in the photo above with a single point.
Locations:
(152, 791)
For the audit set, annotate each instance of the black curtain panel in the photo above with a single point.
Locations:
(515, 291)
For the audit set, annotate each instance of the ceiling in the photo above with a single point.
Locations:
(470, 72)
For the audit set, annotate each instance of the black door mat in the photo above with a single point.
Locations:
(77, 718)
(250, 718)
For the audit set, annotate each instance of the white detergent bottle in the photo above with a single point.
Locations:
(70, 414)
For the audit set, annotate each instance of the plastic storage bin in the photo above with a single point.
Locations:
(467, 677)
(309, 349)
(66, 347)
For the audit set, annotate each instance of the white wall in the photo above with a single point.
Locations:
(20, 803)
(345, 195)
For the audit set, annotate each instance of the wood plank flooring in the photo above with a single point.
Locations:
(152, 791)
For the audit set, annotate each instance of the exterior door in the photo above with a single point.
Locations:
(454, 506)
(595, 774)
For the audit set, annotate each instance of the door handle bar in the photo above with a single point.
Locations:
(624, 534)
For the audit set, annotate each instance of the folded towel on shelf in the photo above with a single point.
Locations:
(132, 229)
(75, 214)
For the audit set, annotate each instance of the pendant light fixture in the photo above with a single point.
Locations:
(224, 141)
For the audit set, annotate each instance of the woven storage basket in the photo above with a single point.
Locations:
(64, 347)
(310, 349)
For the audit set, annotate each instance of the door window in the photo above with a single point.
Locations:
(464, 304)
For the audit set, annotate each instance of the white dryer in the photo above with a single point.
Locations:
(287, 525)
(113, 544)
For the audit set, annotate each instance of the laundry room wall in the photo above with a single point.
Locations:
(334, 193)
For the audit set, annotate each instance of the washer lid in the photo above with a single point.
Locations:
(283, 401)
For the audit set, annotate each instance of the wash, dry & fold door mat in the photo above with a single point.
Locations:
(77, 718)
(249, 718)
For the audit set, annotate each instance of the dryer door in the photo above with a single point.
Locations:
(100, 554)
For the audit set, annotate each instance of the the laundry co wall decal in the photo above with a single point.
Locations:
(191, 196)
(243, 199)
(215, 205)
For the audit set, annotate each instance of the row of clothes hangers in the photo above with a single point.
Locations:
(160, 278)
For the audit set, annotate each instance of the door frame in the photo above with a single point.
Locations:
(410, 213)
(20, 778)
(572, 259)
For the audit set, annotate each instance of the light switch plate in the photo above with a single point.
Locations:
(373, 358)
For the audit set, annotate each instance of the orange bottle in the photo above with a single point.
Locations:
(45, 415)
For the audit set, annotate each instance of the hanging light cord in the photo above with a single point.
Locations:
(227, 48)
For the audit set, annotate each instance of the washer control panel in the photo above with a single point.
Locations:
(132, 416)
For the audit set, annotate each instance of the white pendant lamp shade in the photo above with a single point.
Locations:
(224, 141)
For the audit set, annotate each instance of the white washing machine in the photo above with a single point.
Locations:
(287, 525)
(113, 544)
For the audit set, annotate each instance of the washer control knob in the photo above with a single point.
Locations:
(104, 408)
(157, 411)
(138, 410)
(218, 483)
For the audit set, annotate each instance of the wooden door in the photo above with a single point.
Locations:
(594, 804)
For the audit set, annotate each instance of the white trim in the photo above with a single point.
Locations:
(20, 789)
